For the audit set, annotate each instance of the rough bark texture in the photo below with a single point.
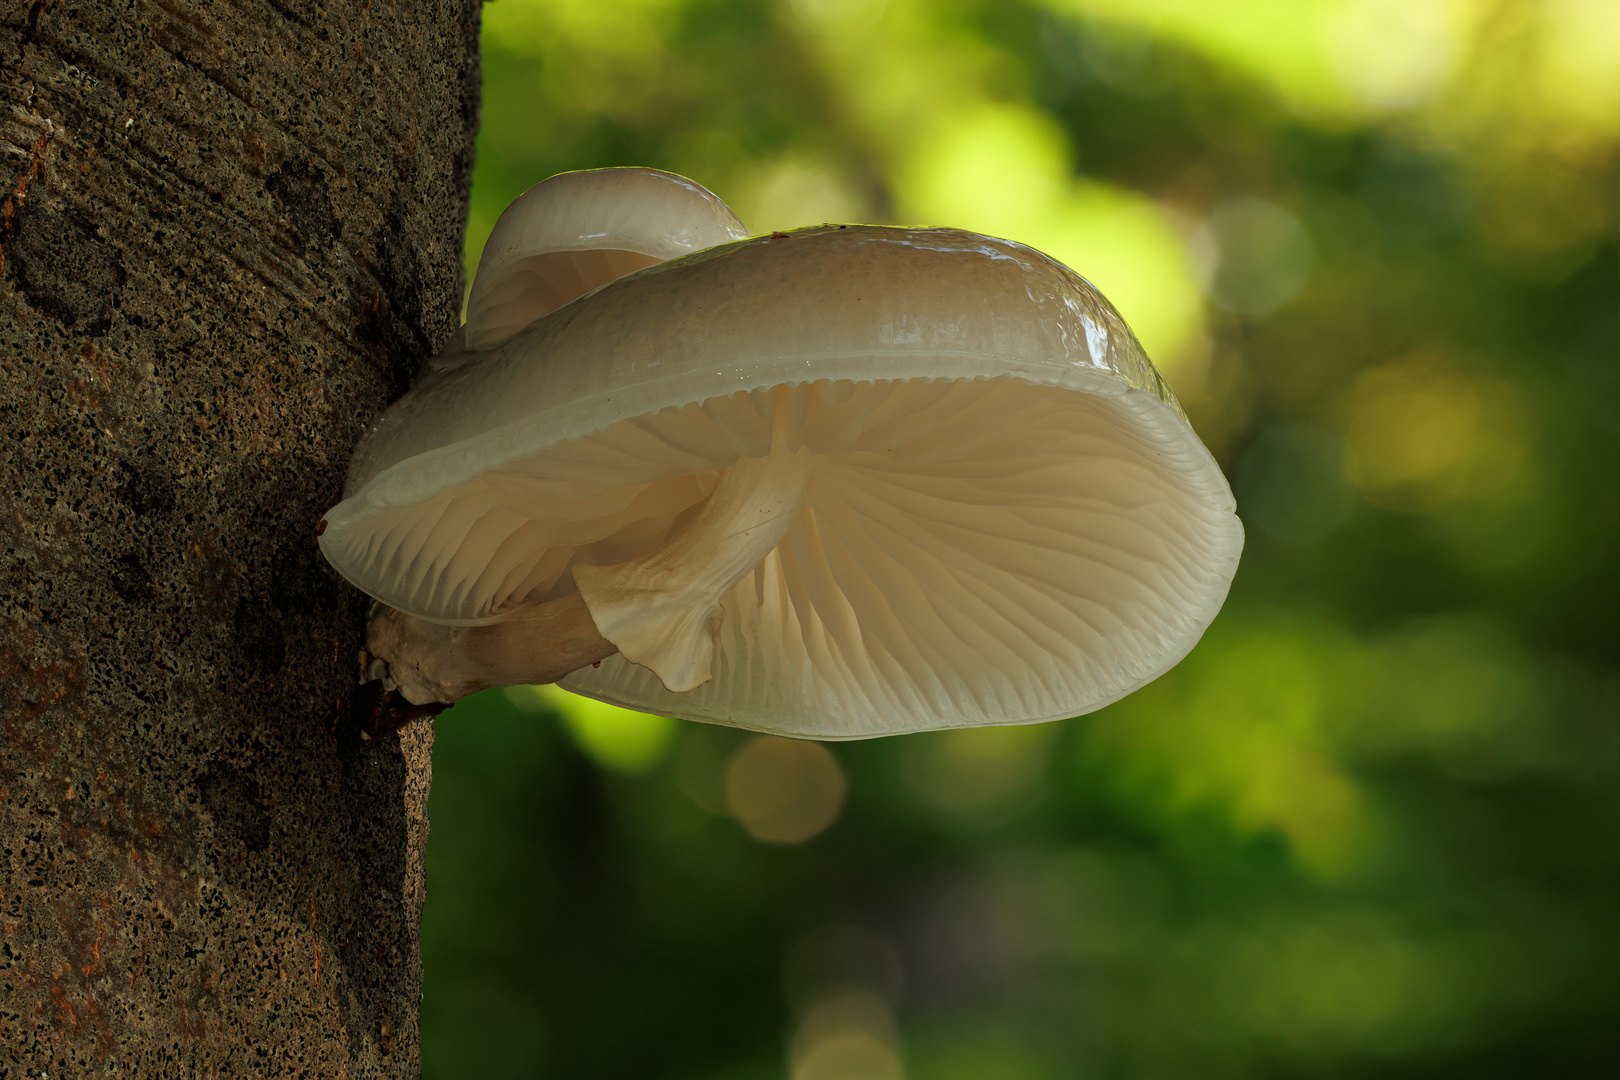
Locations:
(230, 232)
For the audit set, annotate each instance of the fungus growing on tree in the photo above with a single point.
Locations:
(839, 482)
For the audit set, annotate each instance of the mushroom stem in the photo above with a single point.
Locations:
(663, 610)
(431, 662)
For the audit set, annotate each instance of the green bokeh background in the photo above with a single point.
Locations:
(1370, 826)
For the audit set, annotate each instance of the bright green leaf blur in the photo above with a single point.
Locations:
(1005, 172)
(1369, 827)
(619, 739)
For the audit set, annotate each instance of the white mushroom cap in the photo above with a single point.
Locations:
(972, 498)
(576, 232)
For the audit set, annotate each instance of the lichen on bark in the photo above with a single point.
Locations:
(230, 232)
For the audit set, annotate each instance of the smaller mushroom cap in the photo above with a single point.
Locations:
(893, 480)
(576, 232)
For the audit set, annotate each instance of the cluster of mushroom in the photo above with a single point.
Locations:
(838, 482)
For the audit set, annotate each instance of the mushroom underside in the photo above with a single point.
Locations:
(957, 553)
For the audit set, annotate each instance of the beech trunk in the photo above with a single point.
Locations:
(230, 232)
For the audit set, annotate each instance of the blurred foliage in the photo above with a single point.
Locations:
(1370, 826)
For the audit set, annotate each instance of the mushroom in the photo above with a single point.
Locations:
(574, 233)
(840, 482)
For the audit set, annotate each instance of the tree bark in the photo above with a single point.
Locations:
(230, 233)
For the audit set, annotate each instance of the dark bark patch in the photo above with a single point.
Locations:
(30, 31)
(213, 585)
(130, 579)
(259, 637)
(371, 947)
(237, 805)
(65, 270)
(300, 580)
(188, 38)
(401, 317)
(147, 490)
(300, 190)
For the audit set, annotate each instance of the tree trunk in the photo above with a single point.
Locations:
(230, 232)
